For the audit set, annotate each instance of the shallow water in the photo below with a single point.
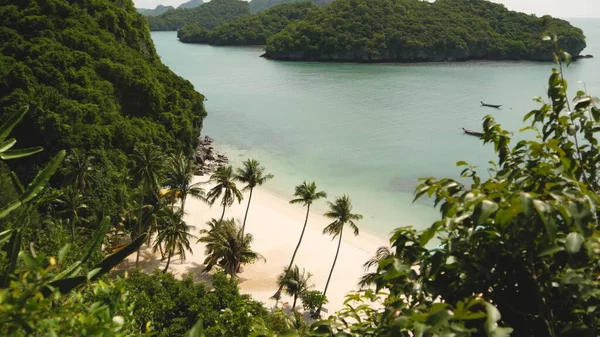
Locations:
(366, 130)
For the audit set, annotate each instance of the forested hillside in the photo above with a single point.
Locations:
(207, 16)
(413, 30)
(249, 30)
(160, 9)
(262, 5)
(190, 4)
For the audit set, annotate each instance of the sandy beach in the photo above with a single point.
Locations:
(276, 226)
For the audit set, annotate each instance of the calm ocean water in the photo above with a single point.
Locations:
(369, 131)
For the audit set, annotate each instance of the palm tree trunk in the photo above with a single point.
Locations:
(277, 294)
(73, 229)
(294, 305)
(169, 258)
(318, 313)
(137, 256)
(162, 254)
(223, 214)
(182, 204)
(246, 215)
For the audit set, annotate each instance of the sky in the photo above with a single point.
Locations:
(557, 8)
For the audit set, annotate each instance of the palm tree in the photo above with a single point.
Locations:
(72, 205)
(173, 233)
(253, 174)
(306, 194)
(78, 167)
(226, 248)
(225, 185)
(149, 163)
(341, 212)
(368, 279)
(179, 179)
(294, 283)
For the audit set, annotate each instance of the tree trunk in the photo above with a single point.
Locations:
(162, 254)
(169, 259)
(223, 214)
(73, 229)
(294, 305)
(183, 204)
(246, 215)
(137, 256)
(318, 313)
(277, 294)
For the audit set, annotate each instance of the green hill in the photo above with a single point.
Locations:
(208, 15)
(190, 4)
(414, 31)
(249, 30)
(93, 81)
(262, 5)
(160, 9)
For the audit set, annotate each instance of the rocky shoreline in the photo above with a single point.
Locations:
(207, 159)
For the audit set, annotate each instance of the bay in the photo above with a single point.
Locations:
(366, 130)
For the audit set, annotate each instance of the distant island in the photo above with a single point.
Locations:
(257, 6)
(207, 16)
(420, 31)
(160, 9)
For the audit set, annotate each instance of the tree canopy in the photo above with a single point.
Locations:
(413, 30)
(249, 30)
(257, 6)
(208, 16)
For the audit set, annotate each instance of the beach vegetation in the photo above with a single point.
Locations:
(251, 174)
(224, 188)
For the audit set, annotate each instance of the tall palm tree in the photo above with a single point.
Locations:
(149, 164)
(294, 282)
(226, 248)
(305, 194)
(72, 205)
(341, 212)
(179, 179)
(78, 167)
(225, 185)
(173, 233)
(252, 174)
(368, 279)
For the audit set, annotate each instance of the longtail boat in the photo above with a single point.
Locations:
(473, 133)
(490, 105)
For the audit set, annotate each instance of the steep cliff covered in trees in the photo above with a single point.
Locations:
(262, 5)
(413, 30)
(91, 76)
(249, 30)
(208, 15)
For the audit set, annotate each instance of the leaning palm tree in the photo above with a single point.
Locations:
(173, 233)
(149, 164)
(179, 179)
(341, 212)
(225, 247)
(77, 169)
(252, 174)
(305, 194)
(294, 282)
(368, 279)
(223, 177)
(72, 205)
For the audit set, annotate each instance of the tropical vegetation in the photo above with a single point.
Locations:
(252, 174)
(224, 188)
(207, 16)
(413, 31)
(257, 6)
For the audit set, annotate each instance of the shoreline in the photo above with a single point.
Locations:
(276, 226)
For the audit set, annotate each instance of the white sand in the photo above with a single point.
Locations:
(276, 226)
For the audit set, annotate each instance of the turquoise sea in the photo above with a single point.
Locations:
(367, 130)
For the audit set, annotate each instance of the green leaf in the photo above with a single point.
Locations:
(42, 178)
(439, 319)
(62, 253)
(544, 212)
(4, 236)
(11, 122)
(462, 163)
(20, 153)
(12, 249)
(550, 250)
(574, 242)
(17, 182)
(97, 239)
(7, 144)
(483, 211)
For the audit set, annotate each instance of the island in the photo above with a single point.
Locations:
(420, 31)
(208, 15)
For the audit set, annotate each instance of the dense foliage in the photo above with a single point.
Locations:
(191, 4)
(413, 30)
(208, 15)
(160, 9)
(249, 30)
(262, 5)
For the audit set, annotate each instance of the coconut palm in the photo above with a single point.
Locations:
(305, 194)
(368, 279)
(252, 174)
(149, 164)
(78, 167)
(223, 177)
(341, 212)
(226, 248)
(179, 179)
(294, 282)
(71, 207)
(173, 233)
